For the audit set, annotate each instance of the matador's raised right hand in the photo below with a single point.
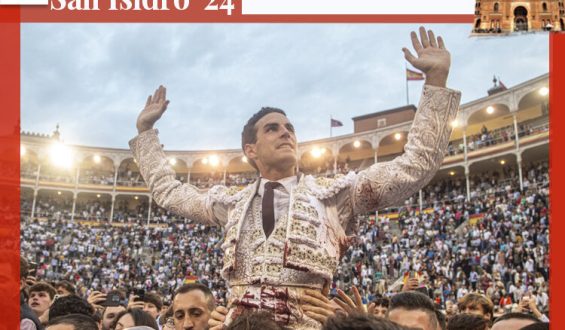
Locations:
(154, 109)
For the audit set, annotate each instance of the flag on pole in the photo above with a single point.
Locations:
(502, 84)
(414, 75)
(336, 123)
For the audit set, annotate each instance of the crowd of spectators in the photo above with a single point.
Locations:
(96, 176)
(486, 137)
(205, 181)
(495, 244)
(240, 179)
(49, 207)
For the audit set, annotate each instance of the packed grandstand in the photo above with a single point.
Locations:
(481, 225)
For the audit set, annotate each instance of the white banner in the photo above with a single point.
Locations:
(24, 2)
(354, 7)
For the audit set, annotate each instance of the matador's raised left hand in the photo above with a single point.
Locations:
(432, 57)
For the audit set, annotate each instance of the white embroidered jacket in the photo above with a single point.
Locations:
(321, 210)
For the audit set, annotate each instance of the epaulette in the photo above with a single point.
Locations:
(324, 188)
(229, 195)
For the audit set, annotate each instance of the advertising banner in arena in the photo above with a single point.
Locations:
(356, 81)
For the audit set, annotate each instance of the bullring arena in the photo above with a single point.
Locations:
(481, 224)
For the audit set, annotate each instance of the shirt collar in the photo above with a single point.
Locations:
(288, 183)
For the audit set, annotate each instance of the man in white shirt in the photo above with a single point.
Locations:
(285, 232)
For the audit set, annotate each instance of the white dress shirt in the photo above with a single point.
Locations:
(281, 194)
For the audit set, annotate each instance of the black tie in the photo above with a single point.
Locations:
(268, 207)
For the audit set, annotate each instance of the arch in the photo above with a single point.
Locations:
(544, 7)
(478, 23)
(350, 157)
(90, 160)
(96, 169)
(484, 129)
(239, 172)
(93, 206)
(520, 19)
(205, 175)
(486, 163)
(501, 168)
(178, 164)
(389, 137)
(53, 203)
(533, 97)
(128, 164)
(533, 112)
(316, 160)
(129, 175)
(128, 208)
(350, 146)
(535, 153)
(482, 115)
(390, 147)
(53, 173)
(180, 167)
(496, 7)
(447, 185)
(203, 164)
(237, 165)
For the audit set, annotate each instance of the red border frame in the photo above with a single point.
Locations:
(10, 165)
(12, 16)
(556, 115)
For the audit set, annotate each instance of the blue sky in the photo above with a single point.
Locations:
(93, 79)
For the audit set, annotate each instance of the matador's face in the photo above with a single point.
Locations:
(276, 143)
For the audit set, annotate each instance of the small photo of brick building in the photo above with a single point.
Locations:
(502, 17)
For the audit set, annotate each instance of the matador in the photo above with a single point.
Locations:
(285, 232)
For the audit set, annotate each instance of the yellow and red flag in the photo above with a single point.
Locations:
(414, 75)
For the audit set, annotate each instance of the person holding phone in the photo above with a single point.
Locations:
(285, 233)
(528, 305)
(149, 302)
(109, 304)
(411, 281)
